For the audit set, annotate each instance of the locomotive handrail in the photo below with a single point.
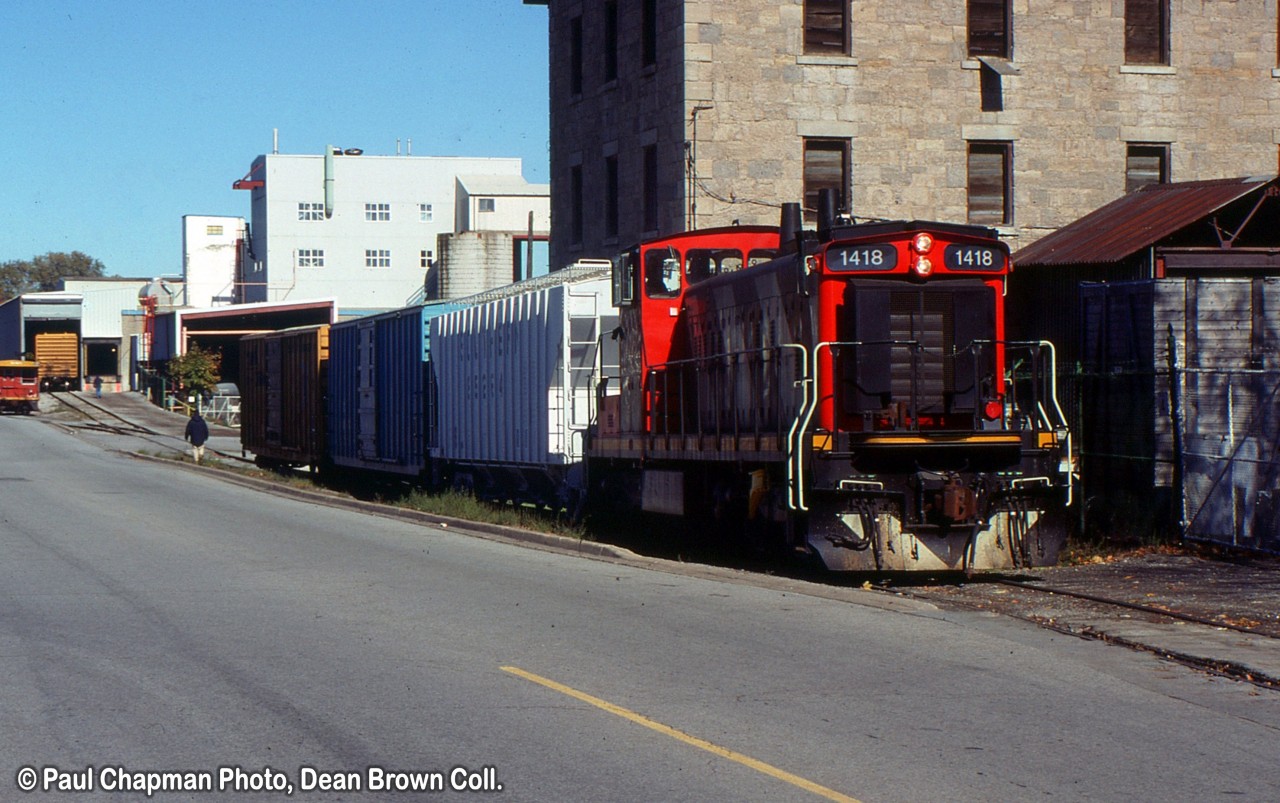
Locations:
(658, 380)
(674, 410)
(795, 436)
(1058, 421)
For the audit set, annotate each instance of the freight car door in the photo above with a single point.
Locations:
(275, 395)
(366, 388)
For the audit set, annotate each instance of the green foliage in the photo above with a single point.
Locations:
(20, 276)
(197, 370)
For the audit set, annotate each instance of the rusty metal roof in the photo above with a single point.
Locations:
(1136, 221)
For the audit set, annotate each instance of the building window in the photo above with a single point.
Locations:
(310, 211)
(213, 231)
(576, 210)
(575, 56)
(649, 188)
(826, 166)
(990, 25)
(377, 212)
(311, 257)
(425, 215)
(610, 41)
(649, 33)
(611, 189)
(826, 27)
(377, 258)
(424, 259)
(1146, 31)
(485, 205)
(991, 183)
(1146, 163)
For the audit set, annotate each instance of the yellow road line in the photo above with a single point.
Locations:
(723, 752)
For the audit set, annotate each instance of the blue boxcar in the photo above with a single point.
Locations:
(380, 391)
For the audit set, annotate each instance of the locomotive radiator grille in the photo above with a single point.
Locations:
(924, 373)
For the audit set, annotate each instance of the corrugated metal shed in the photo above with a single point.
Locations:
(1136, 221)
(105, 300)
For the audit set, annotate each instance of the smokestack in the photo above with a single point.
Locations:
(790, 226)
(826, 213)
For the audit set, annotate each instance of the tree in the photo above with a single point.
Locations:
(197, 370)
(20, 276)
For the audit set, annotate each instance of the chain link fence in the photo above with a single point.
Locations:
(1228, 427)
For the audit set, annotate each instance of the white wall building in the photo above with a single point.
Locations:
(503, 203)
(361, 229)
(210, 247)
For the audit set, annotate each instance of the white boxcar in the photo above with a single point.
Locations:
(515, 375)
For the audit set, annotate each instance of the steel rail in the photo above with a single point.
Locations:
(1133, 606)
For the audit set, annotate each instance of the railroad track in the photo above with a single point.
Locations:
(99, 417)
(1136, 607)
(1099, 613)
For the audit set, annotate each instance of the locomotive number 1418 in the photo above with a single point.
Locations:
(877, 256)
(973, 257)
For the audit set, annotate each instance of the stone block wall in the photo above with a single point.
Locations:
(908, 99)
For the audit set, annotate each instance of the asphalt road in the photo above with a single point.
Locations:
(154, 619)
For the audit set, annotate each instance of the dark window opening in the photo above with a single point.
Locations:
(991, 183)
(649, 33)
(576, 212)
(826, 166)
(575, 56)
(610, 41)
(990, 23)
(611, 190)
(826, 27)
(1146, 31)
(1145, 164)
(650, 188)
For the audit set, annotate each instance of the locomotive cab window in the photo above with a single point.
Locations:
(624, 277)
(703, 263)
(662, 273)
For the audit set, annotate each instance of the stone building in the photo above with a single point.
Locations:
(671, 114)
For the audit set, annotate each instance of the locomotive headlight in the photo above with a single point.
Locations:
(922, 243)
(922, 266)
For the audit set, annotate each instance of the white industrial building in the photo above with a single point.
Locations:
(210, 251)
(364, 229)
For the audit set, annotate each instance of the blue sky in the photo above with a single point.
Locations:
(118, 118)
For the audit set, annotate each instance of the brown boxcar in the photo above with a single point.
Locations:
(282, 396)
(59, 356)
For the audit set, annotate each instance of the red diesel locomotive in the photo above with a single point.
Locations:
(850, 395)
(20, 386)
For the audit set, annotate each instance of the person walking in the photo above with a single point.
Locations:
(97, 386)
(197, 432)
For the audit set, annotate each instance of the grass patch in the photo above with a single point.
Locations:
(464, 506)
